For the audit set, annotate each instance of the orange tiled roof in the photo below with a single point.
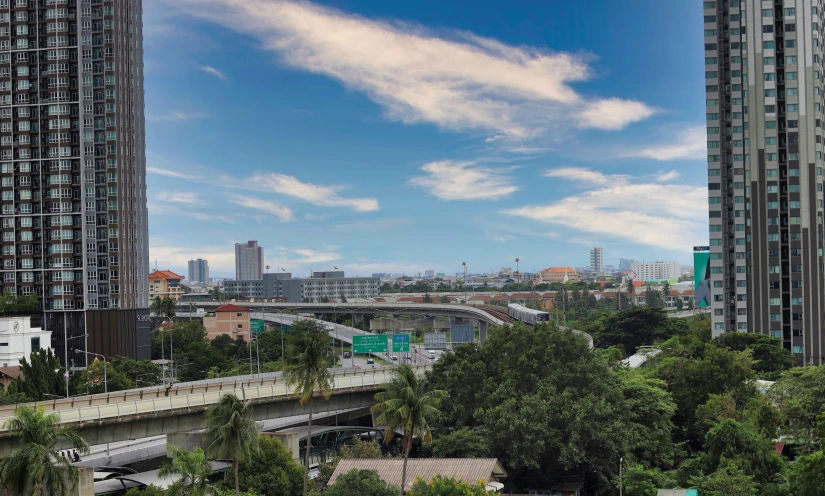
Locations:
(164, 274)
(231, 308)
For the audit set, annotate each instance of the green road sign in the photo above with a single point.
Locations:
(376, 343)
(400, 343)
(257, 326)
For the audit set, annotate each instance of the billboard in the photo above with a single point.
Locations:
(462, 334)
(374, 343)
(435, 340)
(701, 275)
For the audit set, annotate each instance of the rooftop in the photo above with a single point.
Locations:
(164, 274)
(470, 470)
(231, 308)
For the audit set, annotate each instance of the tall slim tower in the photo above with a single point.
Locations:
(72, 166)
(249, 261)
(597, 260)
(198, 270)
(764, 85)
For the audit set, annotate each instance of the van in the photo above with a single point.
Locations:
(431, 354)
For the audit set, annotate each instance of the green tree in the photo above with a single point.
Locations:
(770, 357)
(358, 449)
(163, 307)
(427, 298)
(461, 443)
(35, 468)
(231, 432)
(807, 475)
(150, 490)
(649, 424)
(98, 375)
(310, 357)
(679, 304)
(272, 470)
(631, 291)
(41, 375)
(360, 483)
(729, 480)
(144, 370)
(408, 405)
(191, 471)
(639, 481)
(800, 395)
(444, 299)
(446, 486)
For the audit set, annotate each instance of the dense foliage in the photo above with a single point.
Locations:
(360, 483)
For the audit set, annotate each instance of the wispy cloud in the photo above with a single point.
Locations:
(176, 115)
(323, 196)
(664, 177)
(668, 216)
(690, 143)
(458, 80)
(582, 174)
(178, 197)
(269, 207)
(449, 180)
(169, 173)
(214, 72)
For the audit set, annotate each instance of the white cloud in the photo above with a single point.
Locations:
(669, 216)
(169, 173)
(269, 207)
(582, 174)
(214, 72)
(177, 115)
(170, 254)
(690, 143)
(178, 197)
(324, 196)
(458, 81)
(664, 177)
(449, 180)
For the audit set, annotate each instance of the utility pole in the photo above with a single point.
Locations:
(465, 281)
(518, 281)
(620, 476)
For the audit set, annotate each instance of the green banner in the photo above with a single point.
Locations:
(400, 343)
(376, 343)
(257, 326)
(701, 277)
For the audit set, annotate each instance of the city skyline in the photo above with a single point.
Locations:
(327, 156)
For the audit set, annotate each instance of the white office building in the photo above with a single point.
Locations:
(654, 271)
(18, 339)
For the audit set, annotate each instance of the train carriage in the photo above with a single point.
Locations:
(527, 315)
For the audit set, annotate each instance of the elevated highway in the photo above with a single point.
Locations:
(142, 413)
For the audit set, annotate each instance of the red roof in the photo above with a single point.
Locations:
(164, 274)
(231, 308)
(380, 300)
(569, 270)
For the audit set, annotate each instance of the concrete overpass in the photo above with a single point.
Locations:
(142, 413)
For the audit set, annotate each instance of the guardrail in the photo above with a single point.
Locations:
(342, 382)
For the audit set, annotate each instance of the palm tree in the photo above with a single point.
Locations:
(407, 404)
(231, 432)
(163, 307)
(36, 468)
(630, 292)
(192, 469)
(311, 355)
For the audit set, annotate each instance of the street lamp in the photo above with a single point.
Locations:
(518, 281)
(105, 379)
(465, 281)
(67, 339)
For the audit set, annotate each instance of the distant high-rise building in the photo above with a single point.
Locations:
(597, 260)
(656, 271)
(625, 264)
(763, 84)
(198, 270)
(73, 171)
(249, 261)
(429, 274)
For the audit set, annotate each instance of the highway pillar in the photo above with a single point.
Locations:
(185, 440)
(482, 331)
(290, 442)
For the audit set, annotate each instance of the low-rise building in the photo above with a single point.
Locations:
(228, 319)
(332, 285)
(165, 284)
(18, 339)
(557, 274)
(470, 470)
(656, 271)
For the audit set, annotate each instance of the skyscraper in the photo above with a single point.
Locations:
(764, 85)
(198, 270)
(249, 261)
(597, 260)
(74, 217)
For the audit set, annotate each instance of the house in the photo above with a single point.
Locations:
(557, 274)
(470, 470)
(228, 319)
(165, 284)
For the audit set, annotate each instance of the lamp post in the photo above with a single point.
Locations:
(105, 379)
(465, 281)
(518, 281)
(66, 340)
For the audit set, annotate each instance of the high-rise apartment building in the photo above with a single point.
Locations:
(625, 263)
(198, 270)
(597, 260)
(249, 261)
(655, 271)
(72, 170)
(764, 85)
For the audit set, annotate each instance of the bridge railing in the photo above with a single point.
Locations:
(94, 413)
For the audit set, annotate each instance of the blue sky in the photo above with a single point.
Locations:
(382, 136)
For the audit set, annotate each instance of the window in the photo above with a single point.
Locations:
(767, 12)
(792, 27)
(797, 349)
(790, 43)
(790, 11)
(767, 45)
(770, 93)
(769, 76)
(768, 61)
(767, 28)
(790, 59)
(771, 157)
(710, 60)
(770, 124)
(770, 140)
(792, 107)
(790, 76)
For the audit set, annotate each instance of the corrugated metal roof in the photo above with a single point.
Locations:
(470, 470)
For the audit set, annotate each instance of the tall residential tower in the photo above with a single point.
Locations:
(198, 270)
(74, 218)
(249, 261)
(764, 85)
(597, 260)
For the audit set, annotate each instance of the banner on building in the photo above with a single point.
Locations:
(701, 275)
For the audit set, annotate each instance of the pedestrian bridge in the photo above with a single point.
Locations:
(141, 413)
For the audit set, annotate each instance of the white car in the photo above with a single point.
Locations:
(394, 358)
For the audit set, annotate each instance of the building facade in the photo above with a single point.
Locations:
(198, 271)
(249, 261)
(557, 274)
(625, 263)
(597, 260)
(228, 319)
(655, 271)
(18, 339)
(165, 284)
(333, 285)
(72, 166)
(764, 85)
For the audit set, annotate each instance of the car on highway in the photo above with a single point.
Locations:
(347, 354)
(370, 361)
(394, 358)
(431, 354)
